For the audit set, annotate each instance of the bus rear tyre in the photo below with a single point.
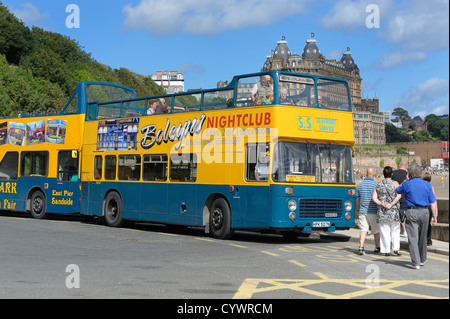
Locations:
(38, 205)
(220, 219)
(113, 210)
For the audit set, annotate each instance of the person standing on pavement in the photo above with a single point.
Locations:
(385, 196)
(418, 196)
(427, 177)
(367, 211)
(399, 176)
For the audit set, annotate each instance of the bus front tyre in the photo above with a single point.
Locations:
(113, 210)
(220, 219)
(38, 205)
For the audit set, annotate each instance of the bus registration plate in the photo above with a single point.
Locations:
(321, 224)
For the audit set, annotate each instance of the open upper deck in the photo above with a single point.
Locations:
(102, 100)
(99, 100)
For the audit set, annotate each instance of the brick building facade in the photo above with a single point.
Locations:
(426, 150)
(368, 123)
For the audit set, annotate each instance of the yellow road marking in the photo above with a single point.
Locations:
(205, 239)
(169, 234)
(297, 263)
(269, 253)
(254, 286)
(239, 246)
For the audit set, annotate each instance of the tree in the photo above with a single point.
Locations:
(15, 38)
(437, 127)
(402, 114)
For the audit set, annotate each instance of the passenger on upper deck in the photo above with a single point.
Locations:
(261, 88)
(161, 107)
(269, 98)
(283, 97)
(322, 102)
(152, 109)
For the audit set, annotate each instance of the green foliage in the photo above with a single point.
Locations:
(402, 114)
(15, 38)
(437, 127)
(39, 70)
(398, 161)
(394, 134)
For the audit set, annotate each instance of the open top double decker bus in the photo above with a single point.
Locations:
(270, 151)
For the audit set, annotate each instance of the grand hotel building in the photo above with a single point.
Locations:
(367, 120)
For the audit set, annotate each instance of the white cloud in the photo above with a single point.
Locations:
(162, 17)
(191, 68)
(429, 97)
(393, 59)
(334, 55)
(419, 25)
(413, 27)
(351, 15)
(30, 14)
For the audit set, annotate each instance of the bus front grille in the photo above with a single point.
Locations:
(320, 208)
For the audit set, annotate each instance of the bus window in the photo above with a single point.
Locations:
(111, 110)
(110, 167)
(9, 166)
(183, 168)
(218, 100)
(129, 168)
(312, 163)
(187, 102)
(333, 95)
(72, 106)
(257, 162)
(34, 164)
(253, 90)
(296, 90)
(155, 168)
(98, 164)
(68, 166)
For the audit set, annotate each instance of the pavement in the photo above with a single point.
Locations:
(352, 235)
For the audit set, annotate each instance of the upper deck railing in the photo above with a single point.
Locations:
(101, 100)
(243, 91)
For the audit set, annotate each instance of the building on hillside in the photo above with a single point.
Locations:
(313, 62)
(427, 150)
(368, 122)
(171, 81)
(386, 116)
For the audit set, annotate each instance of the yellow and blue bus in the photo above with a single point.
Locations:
(270, 151)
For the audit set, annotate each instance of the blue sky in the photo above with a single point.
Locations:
(405, 61)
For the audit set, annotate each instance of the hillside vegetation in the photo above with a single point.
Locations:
(39, 70)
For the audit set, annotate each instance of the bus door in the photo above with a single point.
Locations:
(93, 205)
(182, 191)
(65, 194)
(256, 196)
(11, 195)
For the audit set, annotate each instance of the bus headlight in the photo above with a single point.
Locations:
(292, 216)
(348, 206)
(348, 216)
(292, 205)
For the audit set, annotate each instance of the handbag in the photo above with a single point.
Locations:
(402, 214)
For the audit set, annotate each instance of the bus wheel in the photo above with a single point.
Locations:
(113, 210)
(220, 219)
(38, 205)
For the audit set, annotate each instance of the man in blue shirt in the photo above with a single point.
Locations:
(418, 197)
(367, 211)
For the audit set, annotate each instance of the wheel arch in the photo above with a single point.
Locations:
(30, 194)
(109, 191)
(206, 209)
